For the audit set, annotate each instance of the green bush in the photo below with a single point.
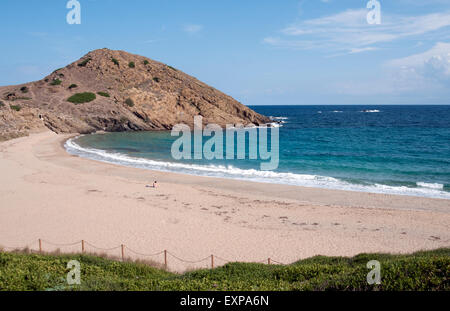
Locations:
(115, 61)
(131, 65)
(72, 86)
(423, 271)
(81, 98)
(156, 79)
(85, 62)
(24, 89)
(104, 94)
(129, 102)
(146, 62)
(172, 68)
(56, 82)
(15, 107)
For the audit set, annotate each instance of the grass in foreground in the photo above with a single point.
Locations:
(419, 271)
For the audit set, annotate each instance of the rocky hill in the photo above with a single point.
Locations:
(115, 91)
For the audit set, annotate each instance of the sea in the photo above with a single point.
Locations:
(403, 150)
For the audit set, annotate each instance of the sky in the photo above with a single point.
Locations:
(290, 52)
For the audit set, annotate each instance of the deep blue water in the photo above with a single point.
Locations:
(383, 149)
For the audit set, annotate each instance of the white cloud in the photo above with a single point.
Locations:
(349, 31)
(432, 65)
(423, 73)
(192, 29)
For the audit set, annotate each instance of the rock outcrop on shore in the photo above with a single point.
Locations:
(115, 91)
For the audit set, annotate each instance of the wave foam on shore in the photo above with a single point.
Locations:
(220, 171)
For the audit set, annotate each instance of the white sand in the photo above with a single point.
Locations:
(46, 193)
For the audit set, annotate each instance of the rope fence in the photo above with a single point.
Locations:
(123, 248)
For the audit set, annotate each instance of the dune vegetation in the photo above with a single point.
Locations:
(423, 271)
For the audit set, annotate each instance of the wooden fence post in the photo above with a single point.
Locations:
(268, 261)
(123, 252)
(165, 259)
(82, 246)
(212, 261)
(40, 246)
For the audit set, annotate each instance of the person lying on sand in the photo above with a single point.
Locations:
(155, 185)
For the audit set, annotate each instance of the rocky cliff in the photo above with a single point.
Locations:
(115, 91)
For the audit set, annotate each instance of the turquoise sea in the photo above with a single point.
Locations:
(381, 149)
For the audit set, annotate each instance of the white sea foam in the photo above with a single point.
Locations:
(278, 121)
(222, 171)
(370, 111)
(430, 185)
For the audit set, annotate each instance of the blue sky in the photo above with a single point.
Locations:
(260, 52)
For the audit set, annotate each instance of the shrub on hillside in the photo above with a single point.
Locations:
(156, 79)
(56, 82)
(131, 65)
(85, 62)
(15, 107)
(24, 89)
(72, 86)
(115, 61)
(129, 102)
(104, 94)
(146, 62)
(81, 98)
(172, 68)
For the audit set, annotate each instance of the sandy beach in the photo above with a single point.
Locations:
(47, 194)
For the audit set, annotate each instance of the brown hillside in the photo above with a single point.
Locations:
(147, 96)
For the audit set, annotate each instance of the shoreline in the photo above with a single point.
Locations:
(50, 194)
(314, 194)
(302, 180)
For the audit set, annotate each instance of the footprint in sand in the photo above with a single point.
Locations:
(93, 191)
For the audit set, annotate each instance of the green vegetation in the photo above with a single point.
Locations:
(104, 94)
(172, 68)
(56, 82)
(24, 89)
(15, 107)
(20, 98)
(146, 62)
(129, 102)
(115, 61)
(72, 86)
(420, 271)
(81, 98)
(85, 62)
(131, 65)
(156, 79)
